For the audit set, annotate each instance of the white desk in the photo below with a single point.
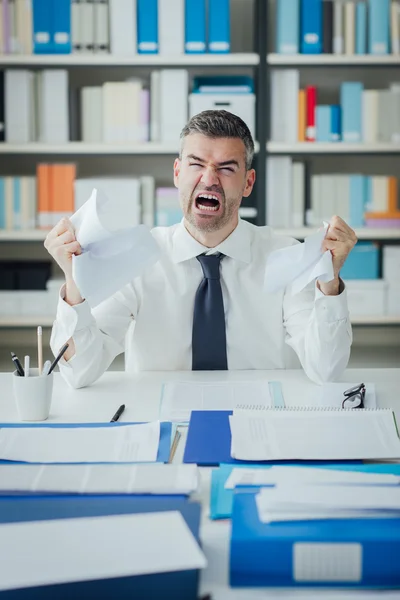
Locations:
(141, 395)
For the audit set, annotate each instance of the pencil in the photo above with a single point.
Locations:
(174, 445)
(40, 349)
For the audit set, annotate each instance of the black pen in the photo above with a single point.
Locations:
(19, 367)
(118, 413)
(55, 361)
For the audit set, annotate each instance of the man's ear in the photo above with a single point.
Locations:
(250, 179)
(177, 168)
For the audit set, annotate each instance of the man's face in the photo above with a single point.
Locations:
(212, 179)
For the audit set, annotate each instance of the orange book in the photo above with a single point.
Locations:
(62, 191)
(393, 195)
(302, 116)
(383, 215)
(43, 175)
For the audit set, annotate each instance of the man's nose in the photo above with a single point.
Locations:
(209, 177)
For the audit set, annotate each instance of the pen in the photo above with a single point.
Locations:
(174, 445)
(55, 361)
(26, 366)
(18, 365)
(40, 349)
(118, 413)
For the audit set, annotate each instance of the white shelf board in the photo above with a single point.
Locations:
(332, 148)
(385, 320)
(23, 235)
(26, 320)
(138, 60)
(333, 59)
(362, 234)
(76, 148)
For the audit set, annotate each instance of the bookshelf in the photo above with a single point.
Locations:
(332, 148)
(338, 60)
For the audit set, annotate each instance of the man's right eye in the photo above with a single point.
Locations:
(195, 165)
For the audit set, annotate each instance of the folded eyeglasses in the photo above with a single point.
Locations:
(354, 397)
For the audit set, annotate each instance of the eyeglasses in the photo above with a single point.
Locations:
(354, 397)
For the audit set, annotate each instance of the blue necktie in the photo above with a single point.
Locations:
(209, 335)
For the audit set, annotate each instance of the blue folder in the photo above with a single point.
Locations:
(147, 26)
(42, 20)
(221, 499)
(195, 26)
(311, 27)
(61, 30)
(219, 33)
(163, 448)
(182, 585)
(287, 26)
(282, 554)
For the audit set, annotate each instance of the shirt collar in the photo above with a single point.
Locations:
(237, 245)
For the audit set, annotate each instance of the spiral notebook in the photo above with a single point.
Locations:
(324, 433)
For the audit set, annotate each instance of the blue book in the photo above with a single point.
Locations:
(362, 262)
(221, 499)
(195, 26)
(356, 553)
(42, 21)
(361, 28)
(311, 27)
(2, 204)
(147, 26)
(335, 123)
(379, 26)
(163, 448)
(351, 103)
(61, 30)
(287, 26)
(323, 121)
(180, 585)
(358, 200)
(219, 26)
(17, 202)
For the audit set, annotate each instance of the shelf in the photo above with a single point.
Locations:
(23, 235)
(344, 60)
(139, 60)
(362, 234)
(26, 321)
(82, 148)
(331, 148)
(385, 320)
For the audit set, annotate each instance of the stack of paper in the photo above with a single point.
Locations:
(99, 479)
(321, 501)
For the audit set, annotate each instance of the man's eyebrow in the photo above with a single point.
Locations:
(221, 164)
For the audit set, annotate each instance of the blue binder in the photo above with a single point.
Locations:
(195, 26)
(311, 27)
(335, 123)
(61, 29)
(362, 262)
(17, 202)
(221, 499)
(351, 93)
(379, 26)
(219, 32)
(361, 28)
(147, 26)
(264, 554)
(358, 200)
(324, 122)
(165, 433)
(42, 19)
(180, 585)
(287, 26)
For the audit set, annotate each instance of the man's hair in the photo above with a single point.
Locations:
(220, 124)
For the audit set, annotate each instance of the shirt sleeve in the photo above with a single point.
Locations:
(98, 335)
(318, 328)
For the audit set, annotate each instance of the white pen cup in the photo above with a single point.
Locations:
(33, 395)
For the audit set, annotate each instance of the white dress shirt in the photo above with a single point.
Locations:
(151, 318)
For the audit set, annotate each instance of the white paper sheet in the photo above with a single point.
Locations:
(180, 398)
(305, 475)
(300, 264)
(50, 552)
(112, 253)
(100, 479)
(331, 394)
(315, 435)
(127, 443)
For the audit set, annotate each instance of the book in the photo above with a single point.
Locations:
(327, 17)
(378, 26)
(311, 27)
(287, 26)
(311, 102)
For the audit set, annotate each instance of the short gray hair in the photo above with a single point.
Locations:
(220, 124)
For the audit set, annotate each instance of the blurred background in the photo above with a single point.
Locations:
(94, 93)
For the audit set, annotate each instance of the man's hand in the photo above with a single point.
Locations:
(340, 240)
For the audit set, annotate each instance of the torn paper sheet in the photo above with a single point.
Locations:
(300, 264)
(112, 253)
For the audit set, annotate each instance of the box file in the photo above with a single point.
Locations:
(361, 28)
(362, 262)
(311, 27)
(42, 21)
(147, 20)
(195, 26)
(219, 36)
(287, 26)
(351, 100)
(61, 26)
(378, 26)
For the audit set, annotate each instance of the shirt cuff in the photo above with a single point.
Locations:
(73, 318)
(332, 308)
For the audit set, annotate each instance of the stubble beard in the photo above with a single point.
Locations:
(210, 225)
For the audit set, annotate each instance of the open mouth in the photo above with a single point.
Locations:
(207, 203)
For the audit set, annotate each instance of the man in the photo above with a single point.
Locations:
(203, 306)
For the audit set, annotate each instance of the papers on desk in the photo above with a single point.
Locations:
(331, 394)
(180, 398)
(112, 253)
(50, 552)
(125, 443)
(300, 264)
(99, 479)
(314, 435)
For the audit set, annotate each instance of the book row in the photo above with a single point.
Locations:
(357, 114)
(119, 27)
(338, 27)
